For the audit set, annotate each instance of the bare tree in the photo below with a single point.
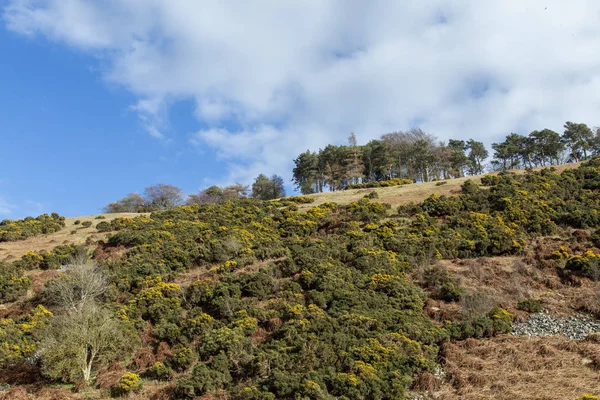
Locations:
(162, 197)
(133, 202)
(216, 194)
(81, 284)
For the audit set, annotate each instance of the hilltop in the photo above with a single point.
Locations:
(417, 192)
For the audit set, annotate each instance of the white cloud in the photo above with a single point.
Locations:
(296, 75)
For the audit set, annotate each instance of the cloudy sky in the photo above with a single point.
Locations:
(101, 98)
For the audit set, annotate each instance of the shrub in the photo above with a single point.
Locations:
(182, 359)
(469, 187)
(372, 195)
(450, 292)
(441, 285)
(77, 222)
(587, 264)
(440, 183)
(103, 227)
(205, 378)
(159, 371)
(495, 322)
(502, 320)
(129, 383)
(30, 260)
(296, 200)
(18, 337)
(376, 184)
(490, 180)
(100, 217)
(530, 306)
(12, 282)
(58, 256)
(86, 224)
(588, 396)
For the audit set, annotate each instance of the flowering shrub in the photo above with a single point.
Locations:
(52, 259)
(376, 184)
(129, 383)
(11, 230)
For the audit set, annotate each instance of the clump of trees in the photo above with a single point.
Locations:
(265, 188)
(216, 194)
(418, 156)
(546, 147)
(156, 197)
(414, 155)
(166, 197)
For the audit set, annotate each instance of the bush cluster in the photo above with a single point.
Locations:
(376, 184)
(12, 230)
(12, 282)
(52, 259)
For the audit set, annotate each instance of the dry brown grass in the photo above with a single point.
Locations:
(394, 195)
(13, 250)
(397, 195)
(38, 392)
(511, 368)
(506, 281)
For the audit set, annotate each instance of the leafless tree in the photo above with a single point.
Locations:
(80, 284)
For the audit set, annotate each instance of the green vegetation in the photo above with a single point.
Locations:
(52, 259)
(129, 383)
(530, 305)
(11, 230)
(12, 282)
(265, 302)
(588, 397)
(412, 156)
(265, 188)
(398, 158)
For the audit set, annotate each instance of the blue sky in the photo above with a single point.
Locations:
(102, 98)
(70, 141)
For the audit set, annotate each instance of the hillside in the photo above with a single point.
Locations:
(406, 295)
(396, 195)
(71, 234)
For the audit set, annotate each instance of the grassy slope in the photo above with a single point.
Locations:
(392, 195)
(397, 195)
(13, 250)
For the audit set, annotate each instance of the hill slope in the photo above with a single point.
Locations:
(396, 195)
(248, 300)
(71, 234)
